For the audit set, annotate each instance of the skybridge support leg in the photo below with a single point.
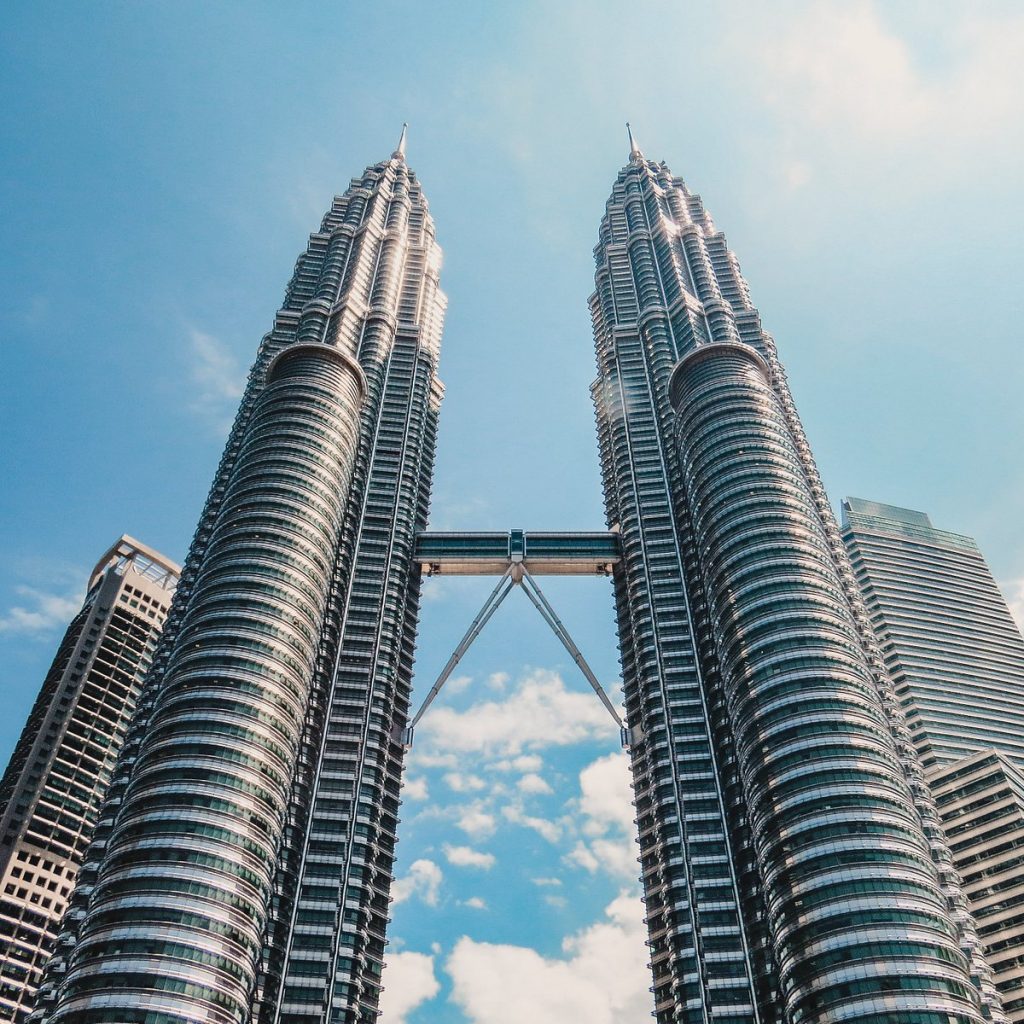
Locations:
(500, 592)
(541, 603)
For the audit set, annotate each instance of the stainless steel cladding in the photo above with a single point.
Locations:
(856, 914)
(179, 909)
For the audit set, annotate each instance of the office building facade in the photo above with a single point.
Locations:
(793, 865)
(956, 657)
(981, 801)
(951, 646)
(52, 790)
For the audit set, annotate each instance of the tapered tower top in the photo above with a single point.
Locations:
(635, 152)
(399, 153)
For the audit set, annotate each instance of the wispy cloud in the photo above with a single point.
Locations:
(217, 380)
(50, 596)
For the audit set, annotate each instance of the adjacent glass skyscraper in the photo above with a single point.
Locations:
(948, 639)
(957, 659)
(793, 864)
(51, 792)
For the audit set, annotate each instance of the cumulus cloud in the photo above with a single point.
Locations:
(415, 789)
(549, 830)
(606, 819)
(533, 784)
(423, 880)
(475, 903)
(475, 821)
(461, 782)
(601, 978)
(539, 713)
(409, 980)
(523, 763)
(467, 857)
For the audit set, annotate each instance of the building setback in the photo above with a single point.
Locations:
(957, 659)
(53, 787)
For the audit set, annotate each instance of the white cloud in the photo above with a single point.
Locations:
(408, 981)
(1014, 594)
(533, 783)
(558, 902)
(475, 903)
(40, 610)
(549, 830)
(607, 800)
(498, 681)
(539, 713)
(476, 822)
(415, 789)
(463, 783)
(546, 881)
(606, 819)
(423, 880)
(467, 857)
(602, 978)
(523, 763)
(217, 379)
(845, 78)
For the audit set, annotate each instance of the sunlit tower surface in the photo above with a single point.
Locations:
(244, 859)
(793, 865)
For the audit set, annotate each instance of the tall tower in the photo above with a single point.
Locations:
(949, 641)
(243, 862)
(52, 790)
(793, 864)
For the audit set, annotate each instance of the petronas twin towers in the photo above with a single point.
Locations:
(792, 862)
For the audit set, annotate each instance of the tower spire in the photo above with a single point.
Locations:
(634, 150)
(399, 153)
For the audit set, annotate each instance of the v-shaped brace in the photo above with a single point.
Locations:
(515, 575)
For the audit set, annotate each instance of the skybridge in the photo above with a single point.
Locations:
(516, 558)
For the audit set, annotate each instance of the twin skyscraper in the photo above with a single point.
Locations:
(792, 859)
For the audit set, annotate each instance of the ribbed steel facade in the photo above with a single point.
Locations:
(792, 861)
(243, 860)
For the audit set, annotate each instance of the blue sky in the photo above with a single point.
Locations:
(160, 168)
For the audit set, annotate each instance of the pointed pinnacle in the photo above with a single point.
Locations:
(634, 149)
(399, 152)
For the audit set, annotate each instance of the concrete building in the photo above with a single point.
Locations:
(53, 787)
